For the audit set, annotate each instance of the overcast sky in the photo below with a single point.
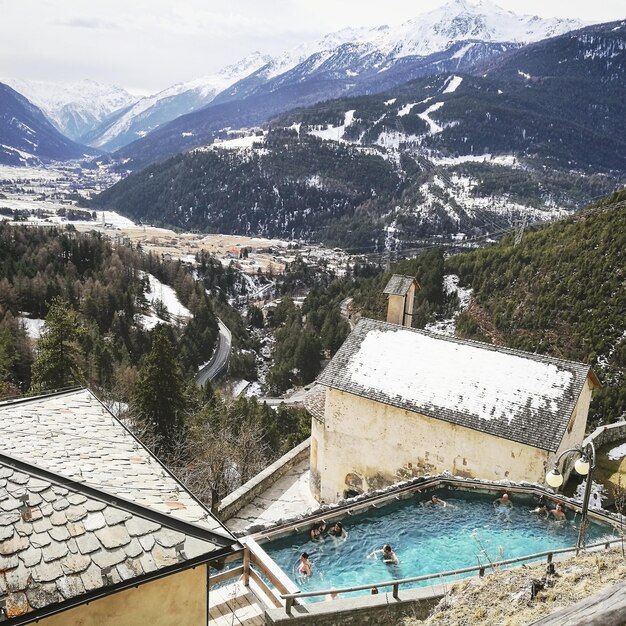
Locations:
(147, 45)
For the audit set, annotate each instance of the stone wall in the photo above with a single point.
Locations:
(607, 434)
(243, 496)
(362, 611)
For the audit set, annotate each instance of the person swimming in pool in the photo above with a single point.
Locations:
(338, 532)
(316, 532)
(305, 568)
(542, 506)
(558, 513)
(434, 500)
(389, 556)
(503, 506)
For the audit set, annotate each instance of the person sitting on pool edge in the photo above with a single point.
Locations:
(304, 566)
(338, 532)
(389, 556)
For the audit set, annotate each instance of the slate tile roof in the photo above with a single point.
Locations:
(85, 509)
(511, 394)
(399, 285)
(57, 543)
(315, 402)
(73, 435)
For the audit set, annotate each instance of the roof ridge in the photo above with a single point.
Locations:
(40, 396)
(475, 343)
(173, 523)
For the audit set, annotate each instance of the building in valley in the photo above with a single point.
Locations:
(397, 402)
(93, 529)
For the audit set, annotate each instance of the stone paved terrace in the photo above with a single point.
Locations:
(288, 497)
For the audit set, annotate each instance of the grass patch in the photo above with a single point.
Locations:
(503, 598)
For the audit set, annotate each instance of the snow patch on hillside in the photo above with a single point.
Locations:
(163, 295)
(335, 133)
(451, 287)
(453, 84)
(433, 127)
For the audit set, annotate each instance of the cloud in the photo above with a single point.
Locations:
(89, 22)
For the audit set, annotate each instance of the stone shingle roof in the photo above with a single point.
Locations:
(399, 285)
(315, 402)
(507, 393)
(71, 524)
(73, 435)
(64, 544)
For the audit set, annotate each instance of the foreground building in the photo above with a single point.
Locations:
(93, 529)
(396, 402)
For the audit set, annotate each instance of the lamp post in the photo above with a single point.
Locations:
(584, 466)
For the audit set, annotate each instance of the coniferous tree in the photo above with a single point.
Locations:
(58, 361)
(159, 396)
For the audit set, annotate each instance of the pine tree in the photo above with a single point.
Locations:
(58, 361)
(159, 396)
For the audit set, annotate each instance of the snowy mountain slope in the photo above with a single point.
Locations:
(152, 111)
(74, 108)
(456, 36)
(26, 135)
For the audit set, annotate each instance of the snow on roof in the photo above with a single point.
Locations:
(507, 393)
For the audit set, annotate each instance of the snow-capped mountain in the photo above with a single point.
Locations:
(75, 108)
(26, 135)
(435, 31)
(354, 61)
(152, 111)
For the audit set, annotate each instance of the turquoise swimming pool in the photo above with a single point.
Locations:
(427, 539)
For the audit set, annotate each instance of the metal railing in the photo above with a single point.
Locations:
(291, 598)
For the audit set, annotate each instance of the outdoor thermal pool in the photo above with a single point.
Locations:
(427, 539)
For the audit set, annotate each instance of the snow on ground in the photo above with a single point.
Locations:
(406, 109)
(254, 390)
(523, 74)
(239, 387)
(598, 488)
(166, 295)
(392, 139)
(451, 286)
(390, 102)
(434, 128)
(8, 172)
(503, 159)
(617, 453)
(335, 133)
(453, 84)
(456, 377)
(239, 143)
(33, 326)
(461, 52)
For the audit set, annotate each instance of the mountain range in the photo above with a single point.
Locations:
(353, 61)
(528, 135)
(27, 137)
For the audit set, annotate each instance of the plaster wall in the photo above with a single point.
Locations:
(170, 601)
(395, 309)
(364, 445)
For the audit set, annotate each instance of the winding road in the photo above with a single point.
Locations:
(219, 360)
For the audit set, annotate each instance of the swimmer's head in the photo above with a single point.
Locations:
(387, 548)
(505, 496)
(304, 556)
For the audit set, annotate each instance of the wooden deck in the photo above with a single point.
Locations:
(235, 605)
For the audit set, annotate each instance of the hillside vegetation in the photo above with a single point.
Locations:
(562, 292)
